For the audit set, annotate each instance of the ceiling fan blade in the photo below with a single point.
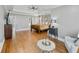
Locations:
(33, 7)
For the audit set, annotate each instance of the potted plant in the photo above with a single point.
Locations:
(7, 19)
(7, 28)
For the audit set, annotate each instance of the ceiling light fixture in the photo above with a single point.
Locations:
(34, 8)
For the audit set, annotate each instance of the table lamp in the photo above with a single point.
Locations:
(78, 36)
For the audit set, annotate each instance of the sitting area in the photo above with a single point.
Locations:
(71, 45)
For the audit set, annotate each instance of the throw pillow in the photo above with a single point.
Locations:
(77, 43)
(70, 38)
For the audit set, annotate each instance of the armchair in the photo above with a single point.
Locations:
(70, 44)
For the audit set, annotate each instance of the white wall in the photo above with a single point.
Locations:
(35, 20)
(68, 19)
(20, 22)
(1, 23)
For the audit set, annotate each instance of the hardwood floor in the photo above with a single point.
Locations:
(26, 42)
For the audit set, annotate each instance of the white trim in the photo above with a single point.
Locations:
(24, 29)
(1, 45)
(59, 38)
(13, 33)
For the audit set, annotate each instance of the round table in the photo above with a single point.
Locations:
(46, 45)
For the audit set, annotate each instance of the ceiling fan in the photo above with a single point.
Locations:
(33, 8)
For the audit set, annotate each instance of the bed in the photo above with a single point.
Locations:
(40, 27)
(42, 23)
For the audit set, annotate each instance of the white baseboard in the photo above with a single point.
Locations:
(24, 29)
(1, 45)
(59, 38)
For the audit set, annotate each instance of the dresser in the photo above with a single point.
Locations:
(8, 31)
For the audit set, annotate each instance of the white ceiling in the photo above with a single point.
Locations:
(8, 7)
(44, 9)
(40, 7)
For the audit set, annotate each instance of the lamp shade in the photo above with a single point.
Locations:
(78, 35)
(55, 25)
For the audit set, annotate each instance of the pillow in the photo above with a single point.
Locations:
(73, 49)
(77, 43)
(70, 38)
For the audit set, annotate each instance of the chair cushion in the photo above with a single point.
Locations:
(73, 49)
(68, 38)
(70, 45)
(77, 43)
